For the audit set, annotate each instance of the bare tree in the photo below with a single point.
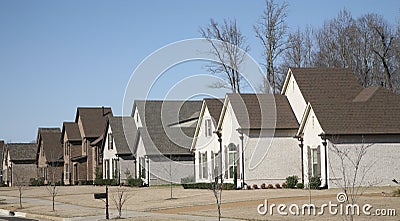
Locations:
(352, 169)
(229, 47)
(271, 30)
(300, 52)
(119, 198)
(51, 186)
(20, 182)
(385, 49)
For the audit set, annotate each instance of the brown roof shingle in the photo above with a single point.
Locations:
(343, 106)
(263, 111)
(52, 146)
(214, 106)
(22, 151)
(93, 120)
(71, 129)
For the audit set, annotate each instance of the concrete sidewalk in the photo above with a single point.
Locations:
(113, 213)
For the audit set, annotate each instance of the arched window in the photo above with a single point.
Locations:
(232, 158)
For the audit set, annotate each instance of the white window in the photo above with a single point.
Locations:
(107, 168)
(110, 141)
(207, 128)
(204, 165)
(142, 166)
(316, 162)
(66, 171)
(115, 168)
(232, 158)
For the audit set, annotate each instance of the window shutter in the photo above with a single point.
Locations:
(206, 165)
(212, 165)
(319, 161)
(309, 162)
(200, 174)
(226, 163)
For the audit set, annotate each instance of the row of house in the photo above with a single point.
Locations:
(322, 116)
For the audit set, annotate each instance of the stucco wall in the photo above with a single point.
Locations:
(295, 98)
(281, 159)
(379, 165)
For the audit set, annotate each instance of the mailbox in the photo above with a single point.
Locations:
(100, 195)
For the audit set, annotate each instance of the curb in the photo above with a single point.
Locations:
(16, 214)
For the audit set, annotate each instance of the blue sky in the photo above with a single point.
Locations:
(57, 55)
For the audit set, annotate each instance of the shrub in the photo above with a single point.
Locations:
(315, 182)
(135, 182)
(284, 185)
(98, 176)
(291, 181)
(396, 193)
(248, 187)
(197, 186)
(189, 179)
(278, 186)
(300, 186)
(225, 186)
(36, 182)
(255, 186)
(263, 186)
(270, 186)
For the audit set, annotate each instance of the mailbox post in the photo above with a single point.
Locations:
(103, 196)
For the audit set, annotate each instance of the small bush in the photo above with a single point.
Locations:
(135, 182)
(278, 186)
(315, 182)
(225, 186)
(300, 186)
(396, 193)
(36, 182)
(263, 186)
(270, 186)
(189, 179)
(291, 181)
(284, 186)
(248, 187)
(255, 186)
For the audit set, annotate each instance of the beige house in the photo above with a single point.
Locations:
(50, 156)
(19, 163)
(81, 143)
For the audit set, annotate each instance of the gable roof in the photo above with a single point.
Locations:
(155, 113)
(124, 132)
(214, 106)
(52, 146)
(71, 129)
(343, 106)
(169, 140)
(162, 121)
(22, 151)
(263, 111)
(318, 85)
(379, 114)
(93, 120)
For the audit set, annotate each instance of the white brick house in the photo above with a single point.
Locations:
(267, 141)
(335, 111)
(118, 156)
